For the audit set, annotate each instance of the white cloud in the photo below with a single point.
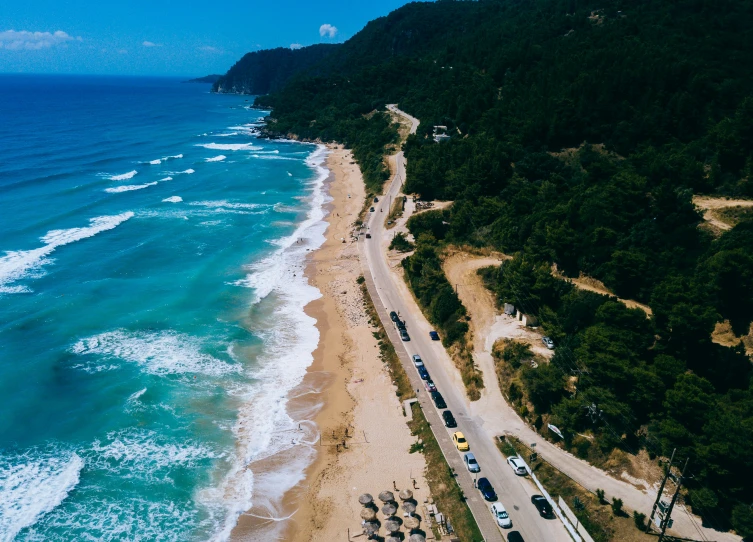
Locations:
(328, 30)
(295, 46)
(210, 49)
(151, 44)
(33, 41)
(122, 51)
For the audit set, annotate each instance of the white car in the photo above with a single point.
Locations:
(418, 362)
(548, 342)
(517, 465)
(500, 514)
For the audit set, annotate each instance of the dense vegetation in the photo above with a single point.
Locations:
(268, 70)
(661, 93)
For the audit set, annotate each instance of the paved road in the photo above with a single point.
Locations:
(389, 293)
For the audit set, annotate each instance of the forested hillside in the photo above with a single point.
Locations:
(580, 130)
(265, 71)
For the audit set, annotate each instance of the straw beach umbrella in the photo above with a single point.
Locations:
(417, 538)
(392, 539)
(368, 514)
(409, 507)
(392, 526)
(386, 496)
(371, 528)
(389, 509)
(405, 494)
(411, 522)
(366, 499)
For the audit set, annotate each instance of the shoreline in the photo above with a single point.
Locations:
(351, 390)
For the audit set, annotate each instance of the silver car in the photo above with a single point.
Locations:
(471, 463)
(517, 465)
(548, 342)
(417, 361)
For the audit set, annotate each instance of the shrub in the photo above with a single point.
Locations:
(617, 507)
(640, 520)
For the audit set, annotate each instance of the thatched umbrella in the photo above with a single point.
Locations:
(386, 496)
(392, 539)
(405, 494)
(417, 538)
(368, 514)
(366, 499)
(371, 528)
(411, 522)
(409, 507)
(392, 525)
(389, 509)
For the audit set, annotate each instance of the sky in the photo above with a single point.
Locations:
(167, 37)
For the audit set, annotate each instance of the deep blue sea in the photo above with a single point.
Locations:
(151, 307)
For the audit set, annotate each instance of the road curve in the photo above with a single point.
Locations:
(389, 292)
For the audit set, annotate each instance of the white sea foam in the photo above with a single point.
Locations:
(230, 146)
(168, 178)
(32, 485)
(230, 134)
(219, 158)
(217, 204)
(124, 176)
(173, 199)
(135, 395)
(128, 187)
(20, 264)
(272, 156)
(158, 353)
(187, 172)
(146, 454)
(264, 427)
(158, 161)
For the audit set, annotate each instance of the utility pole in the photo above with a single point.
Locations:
(665, 521)
(661, 490)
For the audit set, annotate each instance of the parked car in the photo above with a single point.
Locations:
(434, 335)
(548, 342)
(517, 465)
(394, 317)
(404, 335)
(423, 373)
(542, 505)
(470, 462)
(399, 324)
(429, 385)
(368, 236)
(460, 443)
(449, 419)
(500, 514)
(417, 361)
(486, 489)
(376, 200)
(438, 400)
(372, 209)
(514, 536)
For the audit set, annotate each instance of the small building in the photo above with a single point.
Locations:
(510, 309)
(440, 134)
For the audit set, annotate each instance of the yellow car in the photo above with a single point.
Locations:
(460, 442)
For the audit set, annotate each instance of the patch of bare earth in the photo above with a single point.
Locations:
(715, 214)
(593, 285)
(723, 335)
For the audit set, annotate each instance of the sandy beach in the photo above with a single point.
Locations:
(350, 387)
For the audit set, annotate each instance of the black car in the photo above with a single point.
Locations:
(486, 489)
(438, 399)
(514, 536)
(542, 505)
(404, 335)
(399, 324)
(434, 335)
(394, 317)
(376, 200)
(423, 373)
(372, 209)
(449, 419)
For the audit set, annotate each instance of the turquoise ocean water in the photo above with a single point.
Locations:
(151, 307)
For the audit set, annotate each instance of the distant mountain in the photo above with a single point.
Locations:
(206, 79)
(266, 71)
